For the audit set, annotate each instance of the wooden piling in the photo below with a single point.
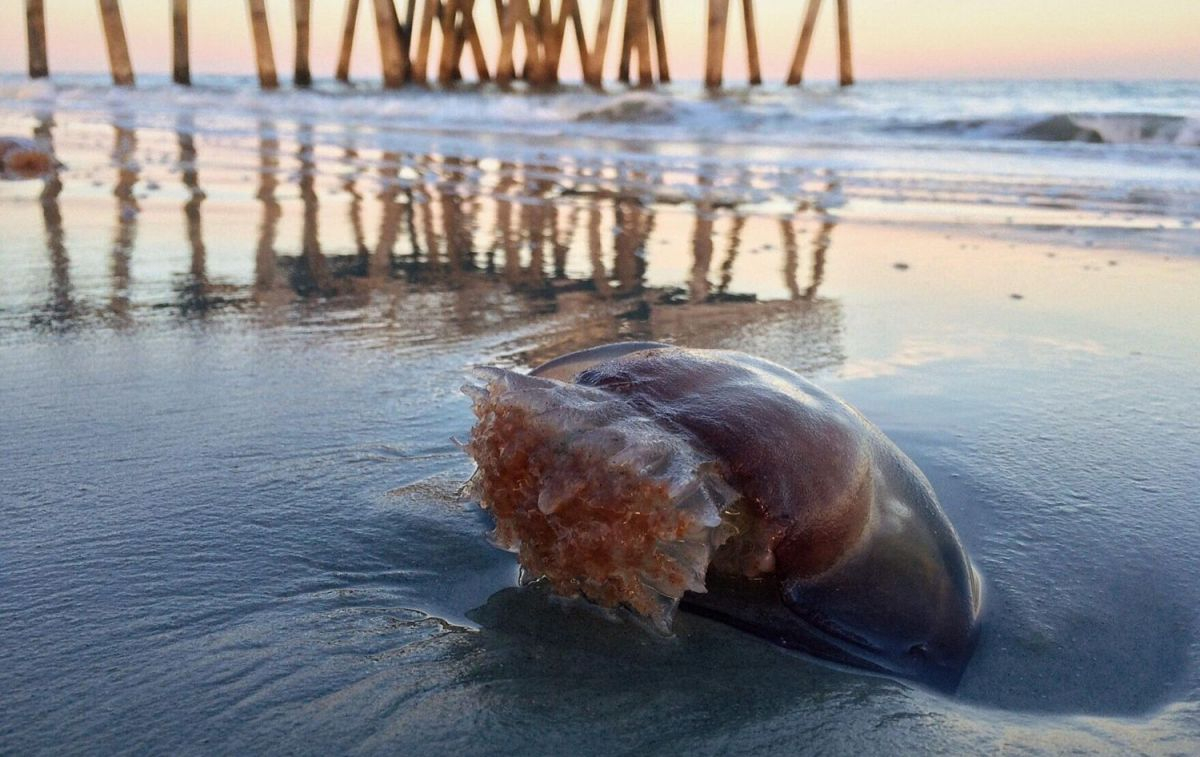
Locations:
(410, 18)
(626, 43)
(458, 31)
(264, 54)
(660, 41)
(518, 12)
(555, 35)
(535, 63)
(714, 66)
(180, 68)
(351, 20)
(114, 38)
(751, 42)
(451, 52)
(796, 73)
(430, 13)
(636, 39)
(581, 40)
(845, 67)
(471, 33)
(302, 11)
(501, 16)
(593, 69)
(641, 41)
(544, 35)
(35, 34)
(393, 53)
(505, 65)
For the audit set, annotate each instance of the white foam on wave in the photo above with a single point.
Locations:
(893, 141)
(1142, 128)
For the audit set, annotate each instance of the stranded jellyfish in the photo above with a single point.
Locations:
(650, 477)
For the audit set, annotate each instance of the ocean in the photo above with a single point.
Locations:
(234, 326)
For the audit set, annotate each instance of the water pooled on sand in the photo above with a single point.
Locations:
(232, 336)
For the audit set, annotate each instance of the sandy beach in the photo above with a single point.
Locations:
(232, 337)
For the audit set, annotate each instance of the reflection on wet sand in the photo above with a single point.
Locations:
(124, 159)
(265, 262)
(561, 241)
(193, 291)
(60, 310)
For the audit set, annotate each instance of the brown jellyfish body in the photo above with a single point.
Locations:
(652, 477)
(24, 159)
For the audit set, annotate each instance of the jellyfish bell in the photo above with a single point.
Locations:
(651, 477)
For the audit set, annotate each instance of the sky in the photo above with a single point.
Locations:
(892, 39)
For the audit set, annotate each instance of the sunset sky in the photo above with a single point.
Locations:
(1097, 39)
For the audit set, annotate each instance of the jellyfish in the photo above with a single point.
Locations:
(655, 478)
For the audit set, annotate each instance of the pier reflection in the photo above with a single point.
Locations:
(586, 244)
(60, 309)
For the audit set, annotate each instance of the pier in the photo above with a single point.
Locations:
(533, 37)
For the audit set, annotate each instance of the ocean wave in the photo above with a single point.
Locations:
(996, 145)
(1094, 128)
(1142, 128)
(633, 107)
(1099, 114)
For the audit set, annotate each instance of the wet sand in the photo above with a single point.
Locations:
(230, 369)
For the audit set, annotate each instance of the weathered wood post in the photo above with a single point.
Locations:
(458, 30)
(714, 65)
(751, 42)
(593, 67)
(351, 20)
(302, 11)
(660, 41)
(501, 15)
(470, 32)
(641, 31)
(796, 73)
(553, 32)
(518, 12)
(718, 18)
(845, 68)
(431, 12)
(35, 34)
(641, 40)
(180, 66)
(451, 53)
(626, 43)
(114, 38)
(410, 18)
(636, 38)
(393, 50)
(264, 54)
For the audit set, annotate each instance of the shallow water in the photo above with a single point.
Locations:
(229, 358)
